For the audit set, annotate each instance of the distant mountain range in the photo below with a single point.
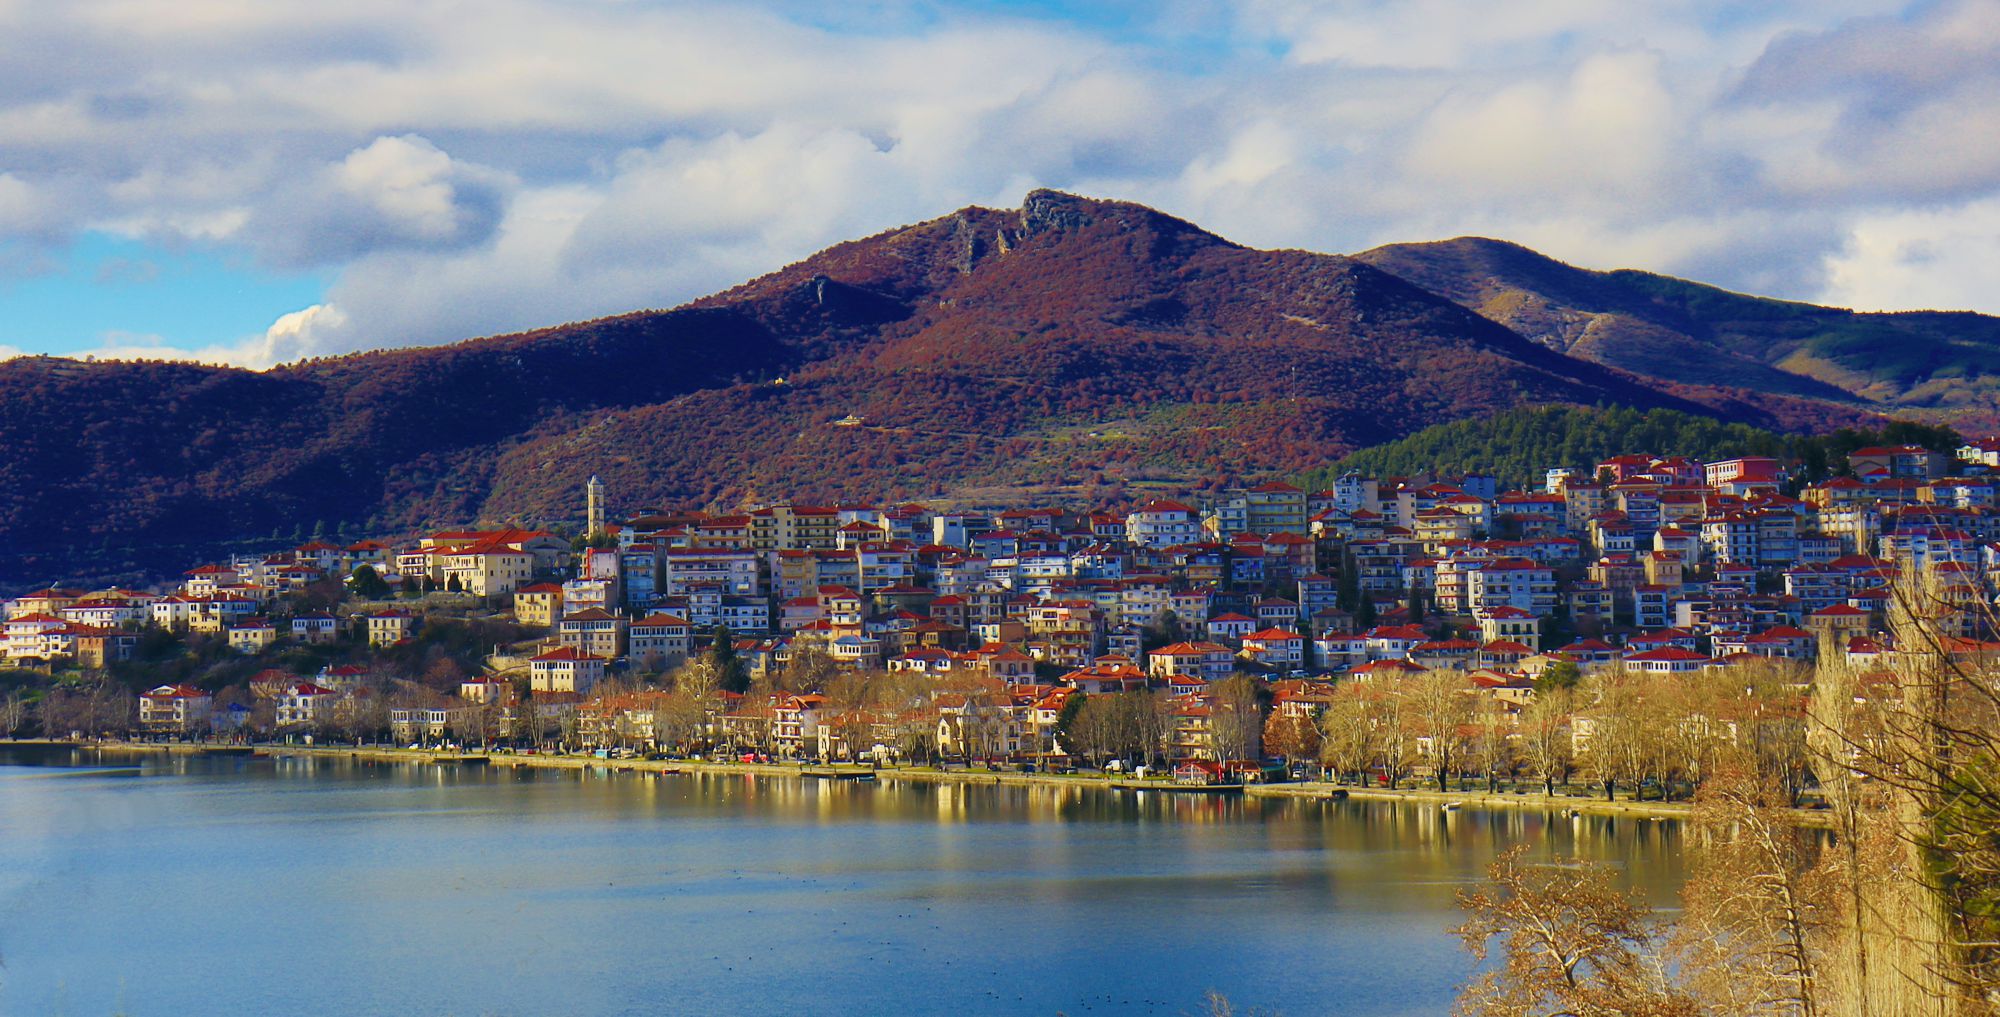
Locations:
(1661, 327)
(1071, 349)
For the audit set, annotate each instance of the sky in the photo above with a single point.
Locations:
(258, 181)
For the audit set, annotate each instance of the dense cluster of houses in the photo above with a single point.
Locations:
(1645, 563)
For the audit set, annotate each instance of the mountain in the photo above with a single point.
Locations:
(1943, 363)
(1074, 348)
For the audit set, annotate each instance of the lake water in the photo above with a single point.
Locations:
(331, 887)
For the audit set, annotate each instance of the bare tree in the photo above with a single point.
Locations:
(64, 712)
(113, 709)
(808, 669)
(1759, 905)
(15, 711)
(1100, 730)
(1293, 737)
(1350, 733)
(1569, 943)
(1547, 740)
(1623, 742)
(1396, 721)
(1906, 757)
(1441, 708)
(1236, 721)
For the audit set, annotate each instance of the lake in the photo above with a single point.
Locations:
(178, 886)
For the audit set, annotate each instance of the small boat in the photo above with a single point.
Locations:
(1451, 806)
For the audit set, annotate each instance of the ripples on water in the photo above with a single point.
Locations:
(340, 887)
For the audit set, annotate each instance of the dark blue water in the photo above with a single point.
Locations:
(315, 887)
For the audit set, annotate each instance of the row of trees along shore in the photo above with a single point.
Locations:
(1894, 912)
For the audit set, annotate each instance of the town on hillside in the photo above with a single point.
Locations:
(1216, 638)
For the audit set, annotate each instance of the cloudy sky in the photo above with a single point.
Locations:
(254, 181)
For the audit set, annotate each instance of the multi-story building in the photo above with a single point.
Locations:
(538, 604)
(735, 571)
(565, 669)
(1163, 523)
(179, 709)
(594, 631)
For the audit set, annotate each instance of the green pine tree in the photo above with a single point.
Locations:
(1364, 614)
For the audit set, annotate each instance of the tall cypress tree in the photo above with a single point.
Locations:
(1347, 594)
(730, 672)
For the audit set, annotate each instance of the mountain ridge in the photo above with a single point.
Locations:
(1074, 347)
(1683, 331)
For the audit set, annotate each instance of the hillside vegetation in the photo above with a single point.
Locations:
(1938, 361)
(1078, 349)
(1519, 445)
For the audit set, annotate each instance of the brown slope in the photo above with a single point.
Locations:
(1938, 364)
(1072, 343)
(126, 468)
(1089, 344)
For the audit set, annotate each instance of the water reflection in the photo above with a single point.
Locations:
(429, 889)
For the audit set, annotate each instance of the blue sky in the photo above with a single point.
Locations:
(134, 293)
(254, 181)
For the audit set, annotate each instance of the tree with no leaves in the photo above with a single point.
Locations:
(1570, 943)
(809, 669)
(14, 713)
(1757, 909)
(1236, 718)
(1546, 735)
(1295, 738)
(1441, 705)
(1350, 735)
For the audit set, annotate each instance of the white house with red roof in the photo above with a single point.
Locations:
(174, 708)
(1163, 523)
(315, 627)
(1503, 654)
(104, 611)
(1667, 660)
(304, 704)
(1231, 627)
(1338, 651)
(208, 580)
(1112, 673)
(565, 669)
(1510, 623)
(660, 640)
(1389, 642)
(1678, 638)
(37, 637)
(1278, 649)
(387, 628)
(1207, 661)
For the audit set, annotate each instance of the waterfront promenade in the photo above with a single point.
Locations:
(1306, 790)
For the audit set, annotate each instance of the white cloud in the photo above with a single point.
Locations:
(295, 335)
(1605, 132)
(1910, 260)
(394, 193)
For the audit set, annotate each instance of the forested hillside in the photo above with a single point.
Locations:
(1519, 445)
(1092, 351)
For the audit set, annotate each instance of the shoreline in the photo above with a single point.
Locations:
(1307, 790)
